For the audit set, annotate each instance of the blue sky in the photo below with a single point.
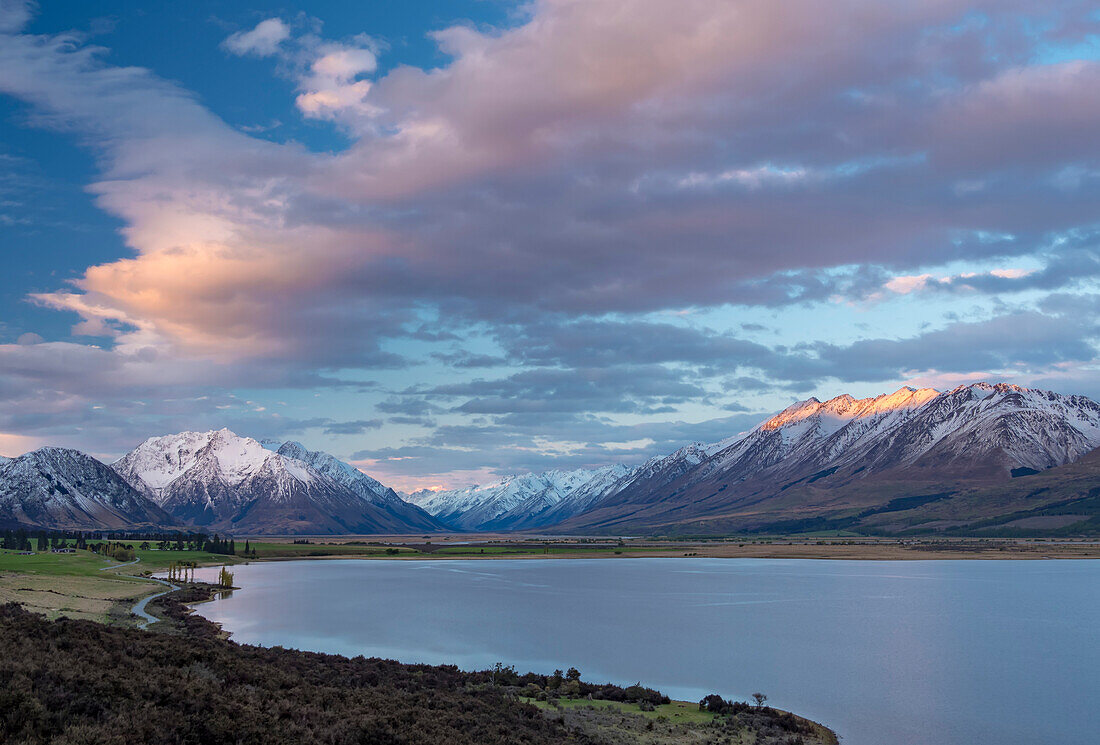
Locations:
(451, 241)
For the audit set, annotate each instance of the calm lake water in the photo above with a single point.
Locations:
(886, 653)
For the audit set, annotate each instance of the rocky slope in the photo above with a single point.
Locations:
(58, 488)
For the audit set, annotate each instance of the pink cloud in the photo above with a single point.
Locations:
(504, 184)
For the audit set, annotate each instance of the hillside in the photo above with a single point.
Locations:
(64, 489)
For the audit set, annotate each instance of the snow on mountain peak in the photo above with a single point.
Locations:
(342, 473)
(837, 412)
(159, 461)
(62, 488)
(518, 498)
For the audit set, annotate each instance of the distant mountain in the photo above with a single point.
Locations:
(846, 462)
(582, 489)
(220, 481)
(63, 489)
(846, 456)
(520, 502)
(408, 516)
(977, 458)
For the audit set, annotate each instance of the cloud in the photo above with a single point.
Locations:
(1067, 267)
(356, 427)
(670, 157)
(1011, 110)
(261, 41)
(630, 388)
(573, 441)
(1023, 342)
(470, 189)
(15, 14)
(333, 87)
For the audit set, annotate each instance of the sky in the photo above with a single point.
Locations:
(452, 241)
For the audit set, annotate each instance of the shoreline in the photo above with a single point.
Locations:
(77, 586)
(495, 546)
(684, 720)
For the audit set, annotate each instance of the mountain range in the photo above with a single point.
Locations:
(901, 462)
(521, 502)
(981, 457)
(214, 481)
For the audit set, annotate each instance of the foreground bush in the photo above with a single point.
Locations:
(81, 682)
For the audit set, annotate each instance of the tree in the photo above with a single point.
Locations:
(573, 674)
(42, 544)
(759, 698)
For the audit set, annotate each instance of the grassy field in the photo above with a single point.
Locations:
(87, 585)
(80, 564)
(677, 723)
(547, 550)
(272, 550)
(684, 712)
(70, 585)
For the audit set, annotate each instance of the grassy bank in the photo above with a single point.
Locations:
(679, 722)
(816, 546)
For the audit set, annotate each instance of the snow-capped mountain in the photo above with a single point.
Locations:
(526, 501)
(977, 429)
(826, 464)
(590, 487)
(351, 478)
(64, 489)
(803, 459)
(221, 481)
(807, 456)
(816, 433)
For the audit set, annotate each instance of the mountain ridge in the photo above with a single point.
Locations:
(64, 489)
(893, 462)
(219, 480)
(978, 433)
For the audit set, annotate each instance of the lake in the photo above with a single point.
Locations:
(886, 653)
